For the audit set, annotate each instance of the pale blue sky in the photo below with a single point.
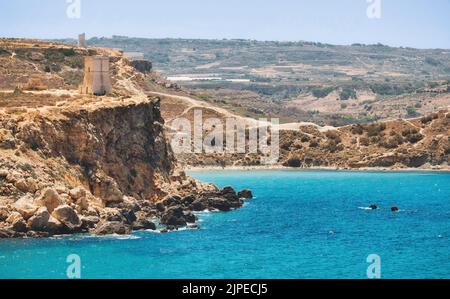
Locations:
(414, 23)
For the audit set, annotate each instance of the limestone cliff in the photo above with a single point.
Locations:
(73, 163)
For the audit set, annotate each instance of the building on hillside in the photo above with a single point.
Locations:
(82, 40)
(97, 79)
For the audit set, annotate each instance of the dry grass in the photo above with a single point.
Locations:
(34, 84)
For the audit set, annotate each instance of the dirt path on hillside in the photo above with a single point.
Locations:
(194, 103)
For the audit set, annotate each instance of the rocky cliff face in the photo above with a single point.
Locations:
(397, 144)
(119, 149)
(72, 163)
(414, 143)
(104, 168)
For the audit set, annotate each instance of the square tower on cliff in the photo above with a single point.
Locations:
(82, 40)
(97, 79)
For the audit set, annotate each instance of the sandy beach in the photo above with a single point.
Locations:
(445, 168)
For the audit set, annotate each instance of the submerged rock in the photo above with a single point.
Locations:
(193, 226)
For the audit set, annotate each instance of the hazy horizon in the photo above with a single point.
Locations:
(401, 23)
(235, 39)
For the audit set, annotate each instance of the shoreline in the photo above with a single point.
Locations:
(323, 168)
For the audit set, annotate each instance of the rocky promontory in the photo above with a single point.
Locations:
(72, 163)
(103, 169)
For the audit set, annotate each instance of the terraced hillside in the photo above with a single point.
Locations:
(302, 81)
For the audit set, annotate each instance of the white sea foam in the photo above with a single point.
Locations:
(109, 237)
(156, 231)
(119, 237)
(365, 208)
(206, 212)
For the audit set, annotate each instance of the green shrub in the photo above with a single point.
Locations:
(293, 162)
(364, 141)
(322, 92)
(72, 77)
(204, 97)
(357, 129)
(391, 89)
(75, 62)
(333, 136)
(313, 143)
(411, 111)
(412, 135)
(375, 129)
(25, 167)
(432, 61)
(347, 93)
(68, 52)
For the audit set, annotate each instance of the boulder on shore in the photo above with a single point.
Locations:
(174, 216)
(42, 221)
(111, 228)
(199, 205)
(39, 221)
(67, 216)
(220, 204)
(20, 226)
(51, 199)
(26, 207)
(245, 194)
(6, 233)
(89, 222)
(143, 224)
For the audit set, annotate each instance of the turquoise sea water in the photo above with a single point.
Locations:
(302, 224)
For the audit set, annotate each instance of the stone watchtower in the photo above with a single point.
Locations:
(97, 79)
(82, 40)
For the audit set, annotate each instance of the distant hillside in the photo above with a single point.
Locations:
(302, 81)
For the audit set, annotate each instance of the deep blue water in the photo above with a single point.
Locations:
(302, 224)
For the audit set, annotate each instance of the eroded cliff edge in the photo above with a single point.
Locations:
(101, 167)
(73, 163)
